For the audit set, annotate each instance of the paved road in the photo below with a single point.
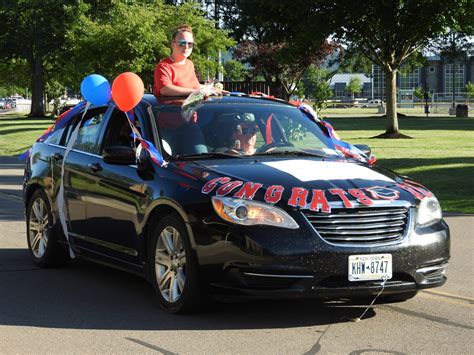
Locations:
(85, 308)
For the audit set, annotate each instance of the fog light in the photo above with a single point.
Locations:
(241, 212)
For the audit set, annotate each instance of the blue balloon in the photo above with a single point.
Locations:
(96, 89)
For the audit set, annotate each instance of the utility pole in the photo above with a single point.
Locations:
(220, 74)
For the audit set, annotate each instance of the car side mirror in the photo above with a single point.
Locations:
(364, 149)
(119, 155)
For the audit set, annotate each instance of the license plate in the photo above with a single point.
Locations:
(370, 267)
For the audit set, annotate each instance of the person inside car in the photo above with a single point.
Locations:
(243, 135)
(175, 75)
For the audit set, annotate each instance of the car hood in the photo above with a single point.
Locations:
(300, 179)
(308, 172)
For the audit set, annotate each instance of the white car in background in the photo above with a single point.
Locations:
(373, 103)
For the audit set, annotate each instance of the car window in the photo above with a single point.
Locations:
(88, 139)
(118, 131)
(215, 127)
(55, 137)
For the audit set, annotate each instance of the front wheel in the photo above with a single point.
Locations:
(174, 267)
(42, 236)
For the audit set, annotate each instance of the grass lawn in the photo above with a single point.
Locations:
(17, 133)
(441, 155)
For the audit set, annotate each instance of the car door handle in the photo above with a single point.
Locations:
(94, 167)
(57, 156)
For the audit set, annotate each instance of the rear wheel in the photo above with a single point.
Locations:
(41, 233)
(174, 267)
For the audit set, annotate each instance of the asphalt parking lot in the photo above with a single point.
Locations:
(87, 308)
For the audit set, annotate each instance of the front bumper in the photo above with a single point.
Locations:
(301, 264)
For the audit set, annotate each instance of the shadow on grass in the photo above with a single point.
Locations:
(24, 118)
(26, 123)
(24, 129)
(405, 123)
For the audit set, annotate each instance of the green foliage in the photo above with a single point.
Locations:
(415, 61)
(14, 75)
(278, 44)
(63, 41)
(135, 36)
(235, 71)
(470, 89)
(321, 93)
(34, 32)
(354, 86)
(420, 93)
(354, 61)
(316, 86)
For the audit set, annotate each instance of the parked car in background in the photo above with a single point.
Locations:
(373, 103)
(11, 103)
(6, 103)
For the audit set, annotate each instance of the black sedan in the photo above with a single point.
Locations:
(252, 200)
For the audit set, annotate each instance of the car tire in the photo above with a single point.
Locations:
(174, 267)
(41, 233)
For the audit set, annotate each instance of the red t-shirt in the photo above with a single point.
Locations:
(168, 72)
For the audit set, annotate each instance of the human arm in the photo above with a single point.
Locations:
(174, 90)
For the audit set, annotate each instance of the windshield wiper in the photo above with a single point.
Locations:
(292, 152)
(207, 155)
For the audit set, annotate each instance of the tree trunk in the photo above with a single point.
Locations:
(37, 90)
(391, 86)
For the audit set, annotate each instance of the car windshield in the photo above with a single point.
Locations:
(219, 129)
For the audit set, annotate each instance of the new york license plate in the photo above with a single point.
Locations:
(370, 267)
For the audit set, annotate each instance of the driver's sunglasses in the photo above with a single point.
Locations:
(183, 43)
(246, 130)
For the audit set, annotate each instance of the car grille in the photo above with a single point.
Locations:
(360, 225)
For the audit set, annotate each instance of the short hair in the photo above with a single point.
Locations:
(179, 29)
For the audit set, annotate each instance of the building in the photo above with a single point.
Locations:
(339, 82)
(436, 77)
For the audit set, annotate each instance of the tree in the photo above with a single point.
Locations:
(234, 71)
(469, 90)
(35, 31)
(63, 41)
(279, 51)
(316, 85)
(135, 36)
(14, 77)
(352, 61)
(388, 32)
(354, 86)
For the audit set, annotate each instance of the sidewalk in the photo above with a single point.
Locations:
(11, 176)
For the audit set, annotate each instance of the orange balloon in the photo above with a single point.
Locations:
(127, 91)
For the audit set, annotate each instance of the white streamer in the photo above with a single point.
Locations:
(61, 200)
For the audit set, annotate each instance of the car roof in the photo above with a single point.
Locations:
(226, 99)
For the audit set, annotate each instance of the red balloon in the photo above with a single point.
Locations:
(127, 91)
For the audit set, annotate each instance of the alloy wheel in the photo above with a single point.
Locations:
(170, 264)
(38, 232)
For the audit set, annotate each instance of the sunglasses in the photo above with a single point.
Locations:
(183, 43)
(246, 130)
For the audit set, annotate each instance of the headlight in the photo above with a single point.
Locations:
(249, 213)
(429, 211)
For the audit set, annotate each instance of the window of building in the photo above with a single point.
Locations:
(432, 69)
(458, 78)
(410, 80)
(378, 82)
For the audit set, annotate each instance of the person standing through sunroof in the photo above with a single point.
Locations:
(175, 75)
